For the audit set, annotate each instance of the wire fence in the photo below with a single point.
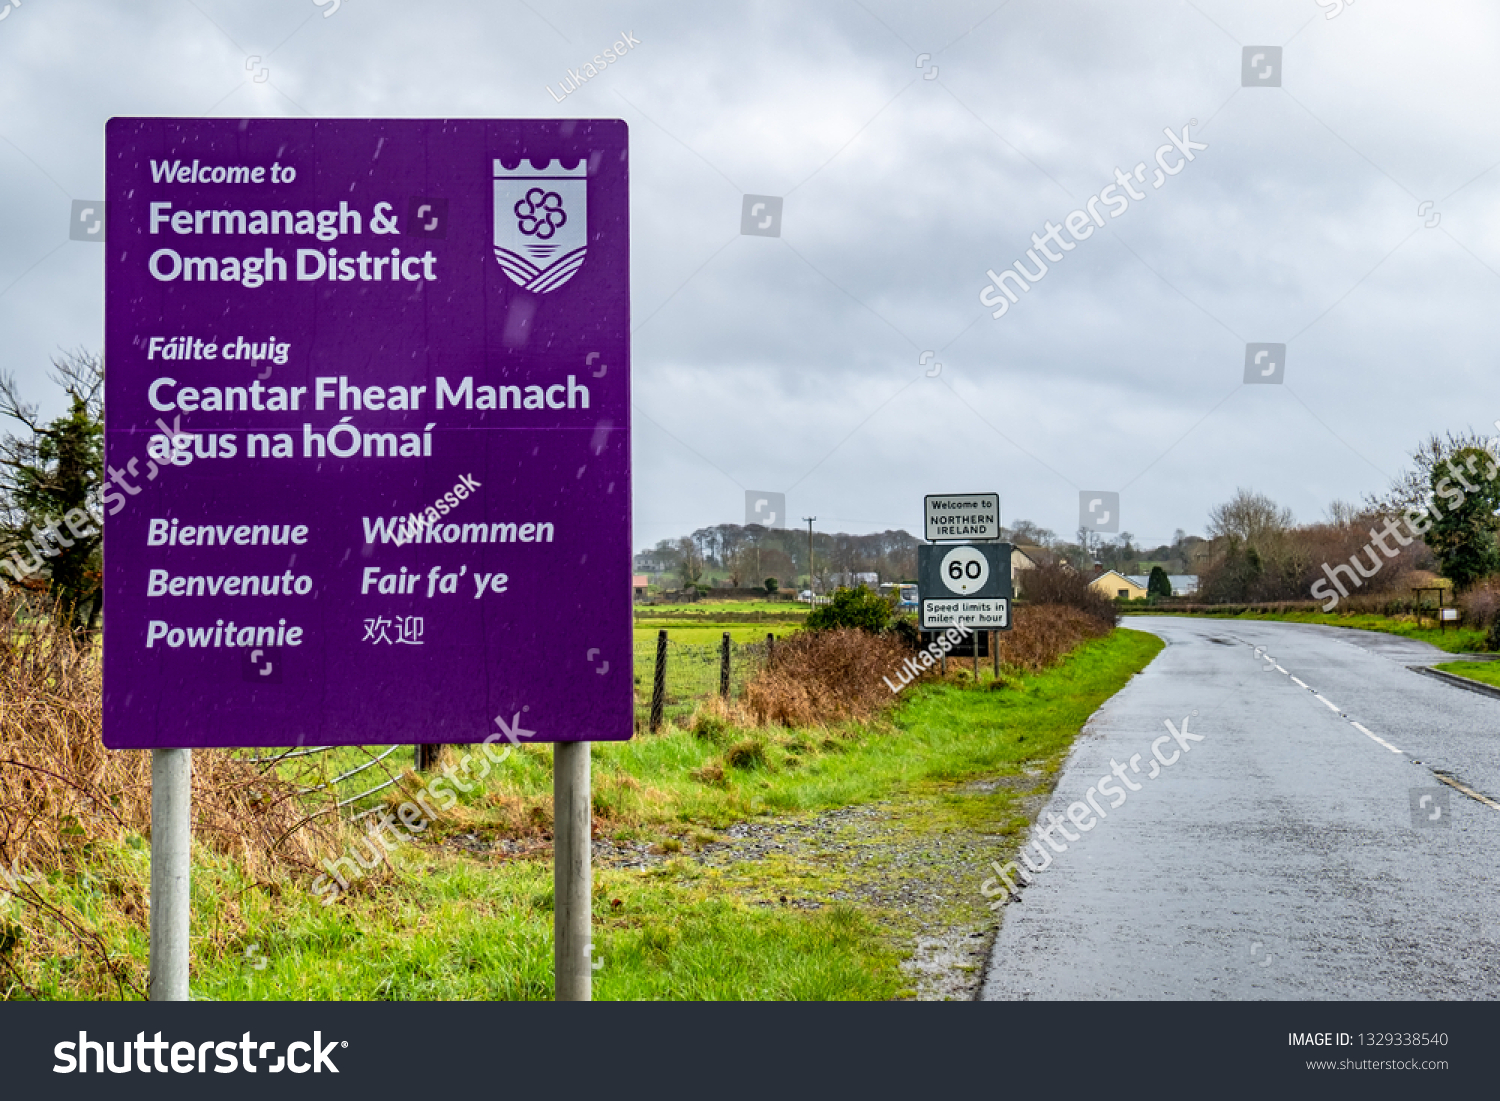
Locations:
(348, 779)
(693, 674)
(340, 777)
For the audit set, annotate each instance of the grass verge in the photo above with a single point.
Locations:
(1485, 672)
(1455, 640)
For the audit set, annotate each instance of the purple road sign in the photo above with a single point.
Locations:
(367, 443)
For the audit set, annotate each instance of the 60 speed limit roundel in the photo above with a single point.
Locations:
(965, 570)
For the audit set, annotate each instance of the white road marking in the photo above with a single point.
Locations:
(1374, 737)
(1339, 711)
(1452, 783)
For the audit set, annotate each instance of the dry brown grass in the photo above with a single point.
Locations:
(820, 677)
(1481, 604)
(1043, 634)
(60, 788)
(64, 798)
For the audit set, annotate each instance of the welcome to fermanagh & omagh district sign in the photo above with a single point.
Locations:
(367, 447)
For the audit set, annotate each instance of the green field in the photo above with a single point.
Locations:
(721, 611)
(695, 634)
(698, 634)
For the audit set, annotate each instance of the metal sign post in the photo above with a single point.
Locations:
(572, 872)
(171, 872)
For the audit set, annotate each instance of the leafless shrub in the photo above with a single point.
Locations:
(818, 677)
(1044, 634)
(1481, 604)
(1058, 584)
(65, 799)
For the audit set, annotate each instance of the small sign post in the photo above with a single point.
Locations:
(368, 456)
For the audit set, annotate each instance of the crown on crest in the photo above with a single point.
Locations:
(528, 169)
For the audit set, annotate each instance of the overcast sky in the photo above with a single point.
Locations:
(1349, 213)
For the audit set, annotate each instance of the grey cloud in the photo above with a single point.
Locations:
(1298, 225)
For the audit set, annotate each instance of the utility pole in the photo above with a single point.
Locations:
(809, 520)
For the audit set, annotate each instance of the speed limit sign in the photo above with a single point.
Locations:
(967, 584)
(965, 570)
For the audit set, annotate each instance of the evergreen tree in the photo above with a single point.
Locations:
(1158, 584)
(1466, 491)
(50, 482)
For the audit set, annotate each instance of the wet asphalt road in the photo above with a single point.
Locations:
(1279, 857)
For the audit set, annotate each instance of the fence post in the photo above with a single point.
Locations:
(770, 648)
(724, 667)
(659, 686)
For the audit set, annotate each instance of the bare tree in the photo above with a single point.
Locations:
(1342, 514)
(1027, 533)
(690, 564)
(1251, 517)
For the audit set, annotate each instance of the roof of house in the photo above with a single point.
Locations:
(1180, 582)
(1140, 582)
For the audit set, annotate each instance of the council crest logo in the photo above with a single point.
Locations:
(541, 222)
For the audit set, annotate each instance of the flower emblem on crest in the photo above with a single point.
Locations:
(541, 221)
(540, 214)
